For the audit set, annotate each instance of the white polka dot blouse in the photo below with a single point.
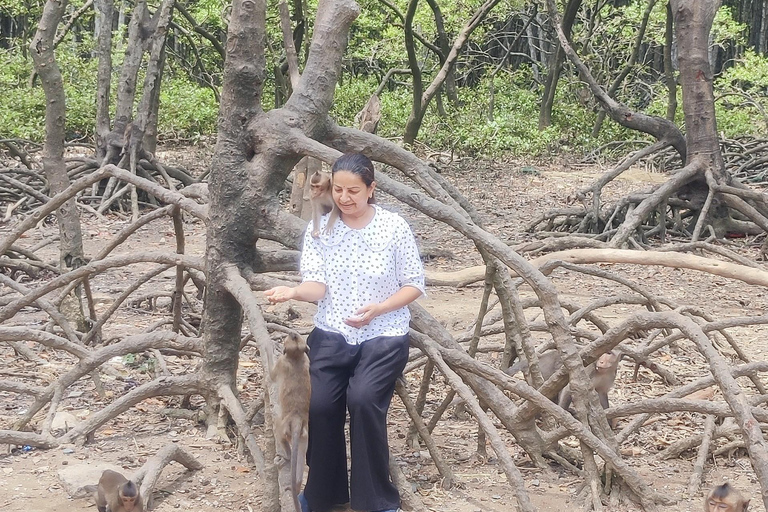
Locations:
(361, 267)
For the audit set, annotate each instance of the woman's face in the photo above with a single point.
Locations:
(351, 194)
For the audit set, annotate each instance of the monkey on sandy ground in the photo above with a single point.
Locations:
(291, 376)
(724, 498)
(115, 493)
(321, 199)
(602, 373)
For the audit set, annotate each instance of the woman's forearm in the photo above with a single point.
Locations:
(309, 291)
(400, 298)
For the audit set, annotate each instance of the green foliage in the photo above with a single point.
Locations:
(22, 114)
(22, 108)
(186, 110)
(725, 29)
(466, 129)
(750, 73)
(743, 103)
(188, 107)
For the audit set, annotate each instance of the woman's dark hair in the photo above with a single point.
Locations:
(356, 163)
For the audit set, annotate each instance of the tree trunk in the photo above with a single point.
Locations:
(693, 23)
(669, 70)
(255, 152)
(106, 14)
(71, 253)
(553, 76)
(415, 117)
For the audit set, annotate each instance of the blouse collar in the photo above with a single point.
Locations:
(377, 234)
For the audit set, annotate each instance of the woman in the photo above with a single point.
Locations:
(363, 274)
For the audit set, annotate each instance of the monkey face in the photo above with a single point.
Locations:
(607, 361)
(128, 502)
(319, 184)
(295, 344)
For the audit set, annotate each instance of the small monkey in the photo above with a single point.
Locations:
(724, 498)
(291, 376)
(115, 493)
(549, 362)
(603, 374)
(322, 202)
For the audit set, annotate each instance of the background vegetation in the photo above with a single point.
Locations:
(499, 75)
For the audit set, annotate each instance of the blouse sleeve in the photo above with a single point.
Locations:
(312, 263)
(410, 270)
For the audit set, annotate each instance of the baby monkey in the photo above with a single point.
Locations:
(724, 498)
(291, 376)
(115, 493)
(321, 198)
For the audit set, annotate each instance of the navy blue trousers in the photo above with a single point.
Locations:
(361, 379)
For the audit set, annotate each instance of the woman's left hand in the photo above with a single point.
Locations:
(363, 316)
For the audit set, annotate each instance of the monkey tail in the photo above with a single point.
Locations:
(297, 465)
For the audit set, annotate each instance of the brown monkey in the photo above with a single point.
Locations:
(724, 498)
(115, 493)
(291, 376)
(322, 202)
(603, 375)
(549, 362)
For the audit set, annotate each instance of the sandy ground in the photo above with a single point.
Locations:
(29, 482)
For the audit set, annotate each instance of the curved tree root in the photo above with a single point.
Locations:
(149, 472)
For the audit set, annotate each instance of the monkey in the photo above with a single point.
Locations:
(322, 202)
(115, 493)
(291, 376)
(602, 373)
(724, 498)
(549, 362)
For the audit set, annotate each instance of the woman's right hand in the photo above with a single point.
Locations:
(280, 294)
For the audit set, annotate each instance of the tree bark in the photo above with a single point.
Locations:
(71, 254)
(106, 14)
(669, 71)
(555, 63)
(255, 152)
(693, 23)
(71, 244)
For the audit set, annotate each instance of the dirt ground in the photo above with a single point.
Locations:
(508, 194)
